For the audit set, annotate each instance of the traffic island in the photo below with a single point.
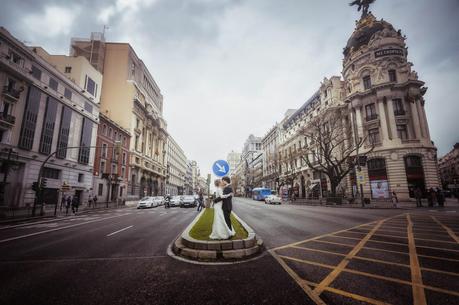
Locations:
(194, 243)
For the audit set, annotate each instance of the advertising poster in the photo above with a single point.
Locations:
(379, 189)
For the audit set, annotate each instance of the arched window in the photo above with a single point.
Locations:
(414, 173)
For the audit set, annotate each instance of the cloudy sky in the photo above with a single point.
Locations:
(229, 68)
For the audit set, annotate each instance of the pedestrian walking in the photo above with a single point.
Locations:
(63, 202)
(94, 200)
(394, 199)
(432, 197)
(440, 197)
(89, 201)
(75, 204)
(67, 204)
(418, 196)
(200, 201)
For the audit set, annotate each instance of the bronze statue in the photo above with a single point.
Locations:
(362, 3)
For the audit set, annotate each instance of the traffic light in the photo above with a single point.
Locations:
(43, 183)
(35, 186)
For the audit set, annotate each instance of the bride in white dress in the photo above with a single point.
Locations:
(220, 229)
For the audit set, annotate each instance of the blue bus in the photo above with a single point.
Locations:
(260, 193)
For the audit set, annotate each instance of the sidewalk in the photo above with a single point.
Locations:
(374, 204)
(26, 213)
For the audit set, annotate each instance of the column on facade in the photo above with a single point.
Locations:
(423, 118)
(391, 120)
(358, 121)
(383, 120)
(415, 119)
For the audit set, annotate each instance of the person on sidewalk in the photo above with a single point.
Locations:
(440, 197)
(418, 196)
(89, 201)
(394, 199)
(75, 204)
(63, 202)
(432, 197)
(94, 200)
(67, 204)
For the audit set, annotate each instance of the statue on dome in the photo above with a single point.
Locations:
(365, 4)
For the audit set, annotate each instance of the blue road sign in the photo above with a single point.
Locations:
(220, 168)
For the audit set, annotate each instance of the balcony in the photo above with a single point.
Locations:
(399, 112)
(7, 119)
(371, 117)
(11, 93)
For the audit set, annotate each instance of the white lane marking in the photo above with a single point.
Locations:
(163, 213)
(113, 233)
(57, 229)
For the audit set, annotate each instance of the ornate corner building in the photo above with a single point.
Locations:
(386, 104)
(381, 101)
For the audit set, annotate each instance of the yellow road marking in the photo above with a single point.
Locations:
(450, 232)
(416, 277)
(314, 297)
(376, 276)
(334, 274)
(350, 295)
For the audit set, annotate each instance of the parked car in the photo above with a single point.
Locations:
(146, 202)
(176, 201)
(189, 201)
(273, 199)
(158, 200)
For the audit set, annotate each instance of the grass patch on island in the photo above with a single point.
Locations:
(203, 228)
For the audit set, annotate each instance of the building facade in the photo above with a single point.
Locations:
(44, 113)
(111, 164)
(132, 99)
(233, 160)
(251, 158)
(449, 169)
(176, 168)
(381, 104)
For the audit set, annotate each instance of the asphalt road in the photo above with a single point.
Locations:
(119, 257)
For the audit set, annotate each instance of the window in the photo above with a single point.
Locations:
(68, 69)
(104, 151)
(136, 144)
(36, 73)
(53, 83)
(80, 177)
(15, 58)
(102, 167)
(100, 190)
(64, 132)
(370, 111)
(51, 173)
(392, 76)
(104, 129)
(123, 171)
(90, 85)
(48, 126)
(85, 141)
(402, 132)
(413, 161)
(398, 107)
(109, 132)
(29, 121)
(68, 93)
(373, 136)
(124, 158)
(137, 123)
(367, 82)
(114, 169)
(88, 107)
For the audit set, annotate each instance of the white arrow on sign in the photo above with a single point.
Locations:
(221, 168)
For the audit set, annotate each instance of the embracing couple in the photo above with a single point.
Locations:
(223, 204)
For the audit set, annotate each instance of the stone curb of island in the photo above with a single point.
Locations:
(217, 250)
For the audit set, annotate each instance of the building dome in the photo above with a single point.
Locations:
(366, 28)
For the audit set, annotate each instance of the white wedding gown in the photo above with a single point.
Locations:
(220, 229)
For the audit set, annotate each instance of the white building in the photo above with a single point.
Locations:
(233, 160)
(176, 168)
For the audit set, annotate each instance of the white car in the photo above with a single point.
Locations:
(273, 199)
(146, 202)
(176, 201)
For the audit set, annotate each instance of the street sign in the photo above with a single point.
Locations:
(220, 168)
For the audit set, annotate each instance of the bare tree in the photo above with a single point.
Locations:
(332, 147)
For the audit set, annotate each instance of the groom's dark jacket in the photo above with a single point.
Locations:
(227, 204)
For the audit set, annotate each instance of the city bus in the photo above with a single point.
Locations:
(260, 193)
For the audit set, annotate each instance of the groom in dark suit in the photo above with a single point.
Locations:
(227, 204)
